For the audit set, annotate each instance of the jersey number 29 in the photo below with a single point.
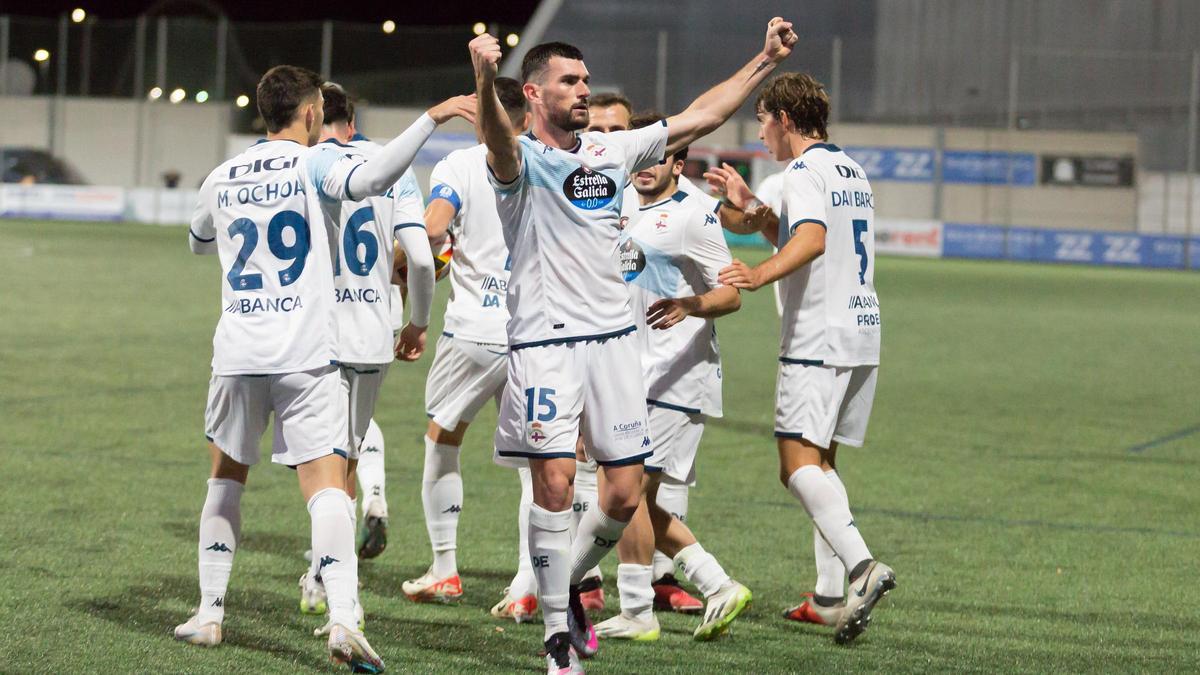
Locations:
(297, 251)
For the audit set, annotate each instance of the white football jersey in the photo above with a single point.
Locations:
(675, 248)
(561, 219)
(770, 191)
(478, 307)
(263, 209)
(630, 204)
(363, 262)
(830, 309)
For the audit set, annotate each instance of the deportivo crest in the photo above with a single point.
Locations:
(661, 223)
(595, 150)
(631, 259)
(536, 435)
(589, 190)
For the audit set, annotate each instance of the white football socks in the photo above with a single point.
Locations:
(702, 569)
(524, 583)
(831, 573)
(633, 586)
(442, 498)
(220, 526)
(830, 511)
(371, 474)
(333, 550)
(586, 500)
(550, 555)
(673, 498)
(596, 536)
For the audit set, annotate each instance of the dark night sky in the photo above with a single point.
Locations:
(404, 12)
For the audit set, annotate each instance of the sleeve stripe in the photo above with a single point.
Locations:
(199, 238)
(349, 197)
(504, 183)
(401, 226)
(800, 222)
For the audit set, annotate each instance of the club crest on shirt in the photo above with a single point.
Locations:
(631, 259)
(661, 223)
(595, 150)
(588, 189)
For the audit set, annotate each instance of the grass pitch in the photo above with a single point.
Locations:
(1031, 473)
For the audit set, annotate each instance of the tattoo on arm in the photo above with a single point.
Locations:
(762, 65)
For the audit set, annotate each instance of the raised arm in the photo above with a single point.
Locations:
(504, 154)
(716, 105)
(376, 176)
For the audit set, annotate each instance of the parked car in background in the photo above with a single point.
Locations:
(34, 166)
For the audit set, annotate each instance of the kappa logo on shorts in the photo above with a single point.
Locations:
(645, 441)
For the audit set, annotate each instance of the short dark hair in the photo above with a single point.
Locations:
(339, 106)
(609, 98)
(803, 98)
(536, 59)
(280, 93)
(645, 119)
(512, 98)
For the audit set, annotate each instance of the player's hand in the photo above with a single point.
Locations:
(760, 218)
(780, 39)
(727, 181)
(485, 56)
(739, 275)
(668, 312)
(412, 342)
(455, 106)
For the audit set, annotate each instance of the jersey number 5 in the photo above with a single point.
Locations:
(297, 251)
(860, 228)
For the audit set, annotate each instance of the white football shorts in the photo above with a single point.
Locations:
(675, 439)
(361, 383)
(822, 404)
(309, 407)
(464, 376)
(556, 391)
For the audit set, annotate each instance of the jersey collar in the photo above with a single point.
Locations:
(824, 146)
(578, 142)
(679, 196)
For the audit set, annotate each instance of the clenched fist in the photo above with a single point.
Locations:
(485, 56)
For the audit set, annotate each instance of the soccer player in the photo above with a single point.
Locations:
(469, 366)
(573, 363)
(671, 253)
(275, 348)
(830, 347)
(370, 230)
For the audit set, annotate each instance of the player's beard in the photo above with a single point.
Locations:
(568, 121)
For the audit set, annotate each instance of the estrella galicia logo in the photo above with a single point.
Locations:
(589, 190)
(632, 259)
(326, 560)
(219, 547)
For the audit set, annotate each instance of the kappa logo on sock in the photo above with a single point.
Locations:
(219, 547)
(454, 508)
(851, 524)
(376, 491)
(219, 602)
(370, 448)
(326, 560)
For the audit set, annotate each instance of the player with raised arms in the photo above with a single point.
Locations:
(671, 253)
(829, 352)
(573, 364)
(370, 229)
(469, 366)
(275, 349)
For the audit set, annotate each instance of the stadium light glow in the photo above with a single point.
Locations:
(512, 39)
(78, 15)
(389, 26)
(41, 55)
(479, 28)
(242, 101)
(201, 96)
(178, 95)
(155, 94)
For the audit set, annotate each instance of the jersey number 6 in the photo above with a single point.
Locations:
(297, 251)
